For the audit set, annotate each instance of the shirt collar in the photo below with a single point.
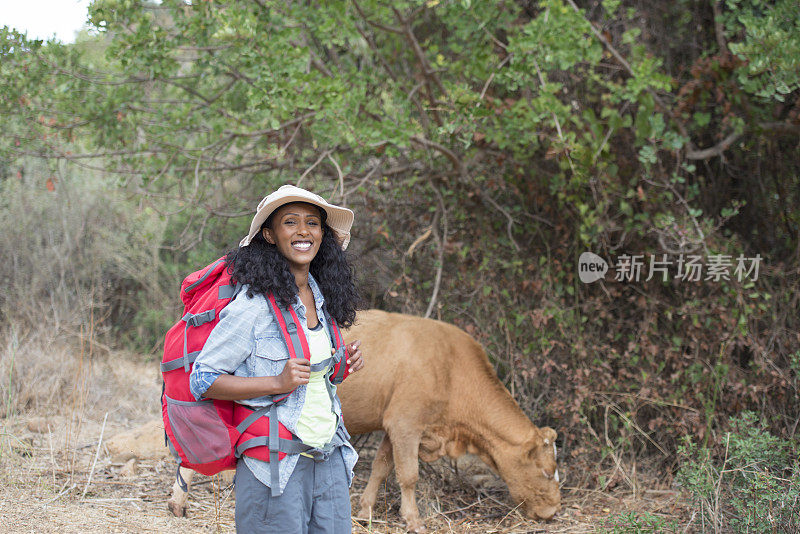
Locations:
(319, 300)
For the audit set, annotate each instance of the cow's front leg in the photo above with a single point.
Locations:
(406, 451)
(381, 467)
(177, 502)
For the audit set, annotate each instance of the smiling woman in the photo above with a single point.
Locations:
(293, 255)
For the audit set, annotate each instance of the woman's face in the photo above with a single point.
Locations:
(296, 231)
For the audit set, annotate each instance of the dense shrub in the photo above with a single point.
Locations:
(749, 483)
(76, 253)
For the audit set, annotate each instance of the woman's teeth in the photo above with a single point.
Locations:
(301, 245)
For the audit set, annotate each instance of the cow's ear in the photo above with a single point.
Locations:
(549, 435)
(544, 440)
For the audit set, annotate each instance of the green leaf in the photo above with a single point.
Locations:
(701, 118)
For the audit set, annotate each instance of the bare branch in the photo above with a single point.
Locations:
(228, 214)
(319, 159)
(427, 70)
(367, 176)
(719, 31)
(97, 81)
(316, 62)
(780, 127)
(442, 243)
(286, 146)
(207, 100)
(508, 216)
(378, 25)
(371, 42)
(72, 157)
(187, 48)
(421, 239)
(213, 99)
(443, 150)
(629, 69)
(272, 131)
(375, 50)
(491, 77)
(341, 179)
(715, 150)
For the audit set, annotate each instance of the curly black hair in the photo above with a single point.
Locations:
(265, 270)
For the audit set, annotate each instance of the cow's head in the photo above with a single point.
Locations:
(531, 473)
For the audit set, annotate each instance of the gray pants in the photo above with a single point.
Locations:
(316, 500)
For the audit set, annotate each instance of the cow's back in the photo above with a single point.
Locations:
(409, 364)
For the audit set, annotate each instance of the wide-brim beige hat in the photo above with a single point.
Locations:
(338, 218)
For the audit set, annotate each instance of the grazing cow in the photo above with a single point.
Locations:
(430, 387)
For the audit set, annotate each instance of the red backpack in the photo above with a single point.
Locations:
(209, 435)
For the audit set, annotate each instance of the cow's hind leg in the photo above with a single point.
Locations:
(381, 467)
(177, 502)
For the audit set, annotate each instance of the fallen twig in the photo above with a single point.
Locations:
(62, 492)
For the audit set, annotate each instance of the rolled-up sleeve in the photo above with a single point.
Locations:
(228, 346)
(200, 381)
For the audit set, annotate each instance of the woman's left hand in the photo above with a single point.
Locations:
(354, 360)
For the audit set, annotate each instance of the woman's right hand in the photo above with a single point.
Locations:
(296, 372)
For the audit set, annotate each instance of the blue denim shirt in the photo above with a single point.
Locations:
(247, 342)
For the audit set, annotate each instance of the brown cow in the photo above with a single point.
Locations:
(430, 387)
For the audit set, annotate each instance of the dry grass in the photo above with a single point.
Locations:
(42, 374)
(466, 497)
(64, 393)
(35, 475)
(38, 473)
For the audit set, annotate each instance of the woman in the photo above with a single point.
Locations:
(294, 251)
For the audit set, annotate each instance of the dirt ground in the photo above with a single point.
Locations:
(55, 478)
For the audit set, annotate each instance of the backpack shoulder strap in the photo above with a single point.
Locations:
(333, 330)
(339, 371)
(293, 335)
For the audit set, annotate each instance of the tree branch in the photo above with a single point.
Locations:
(442, 243)
(627, 67)
(341, 179)
(371, 42)
(459, 166)
(271, 131)
(491, 77)
(427, 70)
(319, 159)
(508, 216)
(715, 150)
(719, 31)
(390, 29)
(780, 127)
